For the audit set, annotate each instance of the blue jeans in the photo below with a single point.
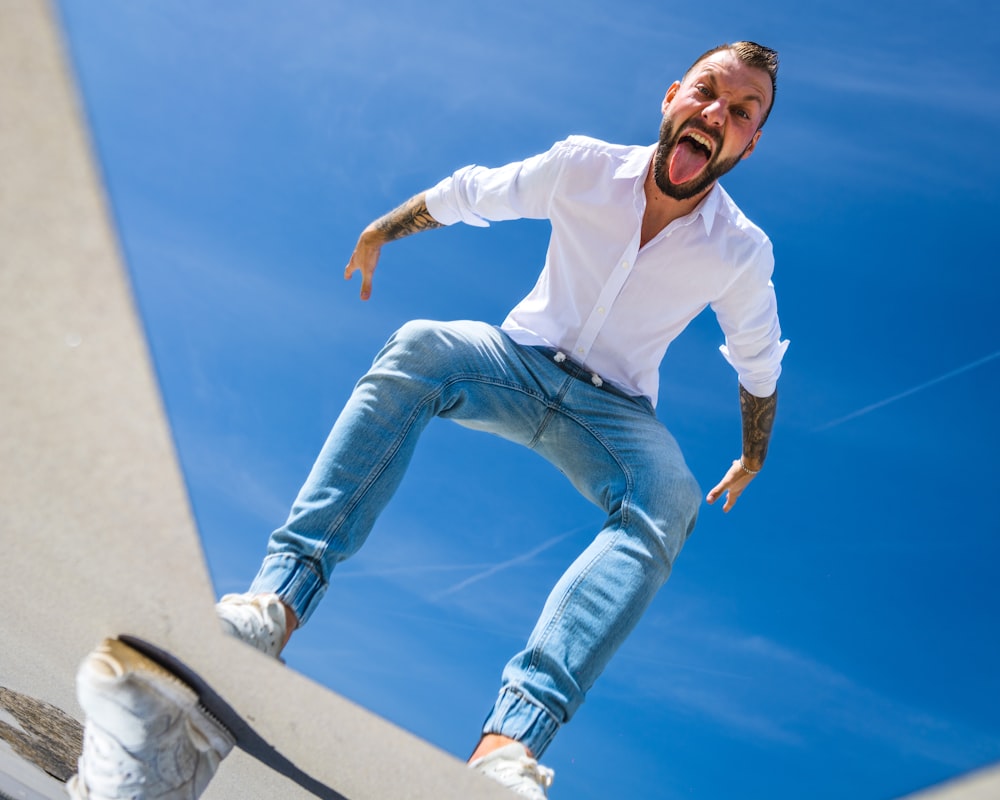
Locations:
(610, 445)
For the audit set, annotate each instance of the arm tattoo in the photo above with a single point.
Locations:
(408, 218)
(758, 421)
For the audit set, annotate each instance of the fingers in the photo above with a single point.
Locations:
(732, 485)
(363, 261)
(366, 277)
(366, 284)
(731, 497)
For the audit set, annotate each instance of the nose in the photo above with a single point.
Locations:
(715, 112)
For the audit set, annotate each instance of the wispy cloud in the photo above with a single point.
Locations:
(893, 76)
(415, 569)
(770, 691)
(523, 558)
(234, 473)
(913, 390)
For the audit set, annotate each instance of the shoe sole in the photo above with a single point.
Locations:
(121, 660)
(114, 661)
(217, 709)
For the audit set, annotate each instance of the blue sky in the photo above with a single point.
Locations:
(836, 634)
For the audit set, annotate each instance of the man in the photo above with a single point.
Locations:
(643, 238)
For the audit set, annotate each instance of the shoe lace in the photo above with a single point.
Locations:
(543, 776)
(530, 768)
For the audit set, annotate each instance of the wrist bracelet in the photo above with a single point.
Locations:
(747, 469)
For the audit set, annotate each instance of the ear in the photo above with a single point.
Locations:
(671, 94)
(752, 146)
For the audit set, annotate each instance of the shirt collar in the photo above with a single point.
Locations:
(636, 163)
(635, 166)
(709, 207)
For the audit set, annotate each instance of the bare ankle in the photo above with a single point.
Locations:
(291, 623)
(491, 742)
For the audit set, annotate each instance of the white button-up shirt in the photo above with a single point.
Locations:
(606, 302)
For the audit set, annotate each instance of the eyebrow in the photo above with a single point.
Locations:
(709, 72)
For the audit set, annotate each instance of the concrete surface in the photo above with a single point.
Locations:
(98, 537)
(980, 785)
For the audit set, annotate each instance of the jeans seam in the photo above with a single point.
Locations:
(626, 500)
(557, 615)
(554, 406)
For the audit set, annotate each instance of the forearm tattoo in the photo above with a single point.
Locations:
(411, 217)
(758, 421)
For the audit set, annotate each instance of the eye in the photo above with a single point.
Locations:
(703, 90)
(742, 113)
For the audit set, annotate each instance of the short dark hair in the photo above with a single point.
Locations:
(753, 55)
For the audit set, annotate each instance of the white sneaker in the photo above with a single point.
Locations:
(145, 734)
(512, 767)
(258, 620)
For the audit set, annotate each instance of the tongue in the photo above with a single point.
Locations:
(686, 162)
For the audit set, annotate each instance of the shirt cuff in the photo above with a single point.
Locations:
(445, 207)
(760, 380)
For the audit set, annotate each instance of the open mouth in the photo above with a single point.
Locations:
(699, 141)
(690, 156)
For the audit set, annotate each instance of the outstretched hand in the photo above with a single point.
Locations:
(408, 218)
(733, 484)
(364, 259)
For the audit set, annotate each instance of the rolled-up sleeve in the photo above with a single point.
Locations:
(478, 195)
(748, 315)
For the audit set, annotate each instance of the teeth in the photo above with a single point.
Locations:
(701, 139)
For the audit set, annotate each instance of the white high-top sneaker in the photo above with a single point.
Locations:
(511, 766)
(145, 734)
(258, 620)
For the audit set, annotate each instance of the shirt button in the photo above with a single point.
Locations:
(580, 351)
(625, 265)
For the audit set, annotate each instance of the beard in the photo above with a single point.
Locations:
(712, 171)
